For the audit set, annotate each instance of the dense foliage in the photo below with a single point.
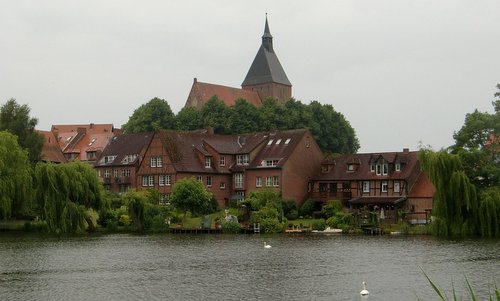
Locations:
(188, 194)
(156, 114)
(15, 178)
(64, 192)
(330, 128)
(15, 119)
(467, 178)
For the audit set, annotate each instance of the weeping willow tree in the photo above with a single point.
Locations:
(489, 212)
(15, 178)
(64, 192)
(455, 206)
(136, 204)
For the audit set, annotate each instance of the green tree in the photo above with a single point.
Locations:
(154, 115)
(136, 203)
(15, 178)
(244, 118)
(188, 194)
(215, 114)
(189, 119)
(489, 212)
(331, 130)
(456, 204)
(478, 144)
(64, 192)
(273, 116)
(15, 119)
(298, 115)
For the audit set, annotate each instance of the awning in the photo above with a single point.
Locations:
(377, 200)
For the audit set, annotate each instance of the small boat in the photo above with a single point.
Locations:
(328, 230)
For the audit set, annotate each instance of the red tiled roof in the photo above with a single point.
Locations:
(51, 151)
(229, 95)
(79, 139)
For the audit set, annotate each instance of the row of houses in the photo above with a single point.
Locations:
(231, 166)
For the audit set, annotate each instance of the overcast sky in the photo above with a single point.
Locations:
(402, 72)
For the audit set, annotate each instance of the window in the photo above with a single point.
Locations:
(396, 187)
(385, 170)
(222, 186)
(208, 162)
(258, 181)
(350, 167)
(151, 180)
(366, 186)
(384, 186)
(165, 180)
(270, 162)
(372, 167)
(156, 162)
(276, 181)
(125, 172)
(269, 181)
(288, 141)
(222, 160)
(153, 162)
(109, 159)
(270, 142)
(209, 181)
(199, 178)
(324, 168)
(129, 159)
(378, 169)
(397, 166)
(238, 180)
(144, 181)
(323, 187)
(278, 141)
(91, 155)
(107, 173)
(115, 173)
(242, 159)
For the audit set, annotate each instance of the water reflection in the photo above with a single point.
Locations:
(226, 267)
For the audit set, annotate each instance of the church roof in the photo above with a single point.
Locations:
(201, 92)
(266, 67)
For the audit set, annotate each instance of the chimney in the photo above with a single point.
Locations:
(195, 80)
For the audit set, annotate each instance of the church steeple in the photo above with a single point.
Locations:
(266, 75)
(267, 38)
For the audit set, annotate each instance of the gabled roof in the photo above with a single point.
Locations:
(124, 145)
(423, 187)
(82, 138)
(204, 91)
(278, 146)
(266, 67)
(340, 172)
(50, 150)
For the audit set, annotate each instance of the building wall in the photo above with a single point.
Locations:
(274, 90)
(301, 166)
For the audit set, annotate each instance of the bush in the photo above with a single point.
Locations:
(158, 225)
(307, 208)
(231, 228)
(318, 225)
(331, 208)
(292, 215)
(41, 227)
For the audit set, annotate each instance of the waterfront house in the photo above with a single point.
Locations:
(387, 183)
(119, 162)
(231, 166)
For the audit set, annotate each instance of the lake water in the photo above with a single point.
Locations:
(237, 267)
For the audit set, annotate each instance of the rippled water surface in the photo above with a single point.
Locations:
(227, 267)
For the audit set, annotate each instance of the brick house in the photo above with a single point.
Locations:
(51, 152)
(265, 78)
(117, 165)
(83, 142)
(372, 181)
(230, 166)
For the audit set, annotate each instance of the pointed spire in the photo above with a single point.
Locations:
(267, 38)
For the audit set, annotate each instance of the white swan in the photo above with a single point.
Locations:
(364, 292)
(267, 246)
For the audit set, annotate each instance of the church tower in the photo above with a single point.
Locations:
(266, 75)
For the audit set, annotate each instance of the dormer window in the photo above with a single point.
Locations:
(208, 162)
(397, 166)
(350, 167)
(109, 159)
(242, 159)
(270, 162)
(385, 169)
(324, 168)
(372, 167)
